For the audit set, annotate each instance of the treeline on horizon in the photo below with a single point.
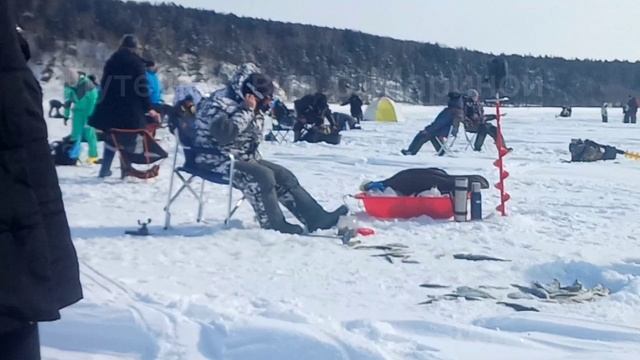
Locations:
(330, 60)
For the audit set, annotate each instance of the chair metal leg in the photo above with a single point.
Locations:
(200, 201)
(444, 148)
(235, 207)
(230, 199)
(470, 141)
(167, 210)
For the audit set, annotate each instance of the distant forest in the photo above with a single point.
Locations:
(316, 58)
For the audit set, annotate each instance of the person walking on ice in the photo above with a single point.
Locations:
(80, 97)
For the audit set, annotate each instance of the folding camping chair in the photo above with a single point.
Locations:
(446, 143)
(137, 146)
(278, 133)
(470, 139)
(188, 173)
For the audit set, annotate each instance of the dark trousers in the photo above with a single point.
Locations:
(107, 155)
(21, 344)
(422, 138)
(605, 118)
(483, 131)
(267, 185)
(630, 117)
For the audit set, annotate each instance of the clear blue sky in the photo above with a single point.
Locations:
(595, 29)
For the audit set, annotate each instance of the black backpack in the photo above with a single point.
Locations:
(60, 151)
(587, 150)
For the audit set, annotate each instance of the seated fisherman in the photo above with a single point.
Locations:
(281, 113)
(230, 122)
(447, 121)
(475, 121)
(566, 111)
(311, 113)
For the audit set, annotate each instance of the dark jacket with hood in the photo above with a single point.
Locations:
(448, 120)
(473, 115)
(314, 109)
(38, 264)
(125, 93)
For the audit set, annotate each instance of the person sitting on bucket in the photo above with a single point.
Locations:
(448, 120)
(566, 111)
(230, 122)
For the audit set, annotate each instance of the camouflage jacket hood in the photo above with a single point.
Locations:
(225, 126)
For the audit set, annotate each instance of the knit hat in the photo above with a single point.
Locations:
(473, 93)
(129, 41)
(259, 85)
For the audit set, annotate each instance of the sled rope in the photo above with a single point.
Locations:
(632, 155)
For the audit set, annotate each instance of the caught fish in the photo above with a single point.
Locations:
(433, 286)
(518, 307)
(537, 292)
(472, 257)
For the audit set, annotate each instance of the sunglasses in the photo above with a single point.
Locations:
(261, 96)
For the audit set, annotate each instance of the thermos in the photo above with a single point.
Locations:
(460, 199)
(476, 201)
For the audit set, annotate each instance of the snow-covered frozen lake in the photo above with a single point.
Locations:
(199, 291)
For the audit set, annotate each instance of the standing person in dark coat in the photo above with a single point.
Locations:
(38, 264)
(356, 107)
(632, 109)
(125, 102)
(447, 121)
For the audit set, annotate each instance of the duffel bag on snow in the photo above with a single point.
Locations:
(588, 150)
(62, 152)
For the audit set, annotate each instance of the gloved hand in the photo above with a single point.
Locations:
(66, 120)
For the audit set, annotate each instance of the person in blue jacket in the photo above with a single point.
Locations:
(155, 86)
(446, 122)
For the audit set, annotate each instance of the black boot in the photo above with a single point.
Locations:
(480, 137)
(270, 216)
(286, 228)
(328, 220)
(304, 207)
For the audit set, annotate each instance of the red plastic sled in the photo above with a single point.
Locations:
(406, 207)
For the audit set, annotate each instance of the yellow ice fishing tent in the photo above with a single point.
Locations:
(382, 110)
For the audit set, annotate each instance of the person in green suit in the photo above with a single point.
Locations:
(83, 96)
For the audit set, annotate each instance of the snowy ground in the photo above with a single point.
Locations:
(200, 291)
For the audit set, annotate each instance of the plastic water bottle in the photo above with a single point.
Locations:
(476, 201)
(347, 228)
(460, 199)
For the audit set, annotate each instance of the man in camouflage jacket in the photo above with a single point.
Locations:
(230, 122)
